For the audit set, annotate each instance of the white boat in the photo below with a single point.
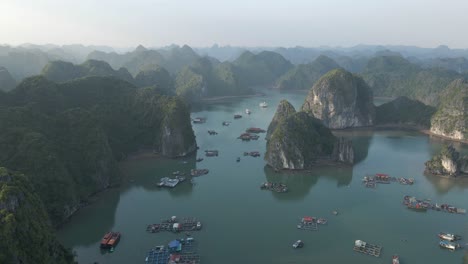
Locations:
(448, 237)
(263, 105)
(247, 111)
(448, 245)
(199, 225)
(395, 259)
(298, 244)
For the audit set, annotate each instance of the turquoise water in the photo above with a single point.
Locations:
(243, 224)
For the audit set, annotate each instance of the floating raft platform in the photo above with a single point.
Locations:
(313, 226)
(184, 225)
(411, 202)
(366, 248)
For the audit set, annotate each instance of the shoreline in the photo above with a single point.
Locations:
(403, 127)
(226, 97)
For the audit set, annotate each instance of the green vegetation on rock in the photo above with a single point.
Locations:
(404, 111)
(263, 68)
(68, 137)
(396, 76)
(451, 118)
(303, 76)
(25, 231)
(297, 141)
(448, 162)
(341, 100)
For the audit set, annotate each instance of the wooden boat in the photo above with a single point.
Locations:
(298, 244)
(448, 237)
(395, 259)
(105, 239)
(110, 240)
(237, 116)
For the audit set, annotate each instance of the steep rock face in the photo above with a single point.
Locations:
(285, 109)
(404, 111)
(6, 80)
(451, 118)
(341, 100)
(177, 136)
(26, 234)
(447, 163)
(300, 141)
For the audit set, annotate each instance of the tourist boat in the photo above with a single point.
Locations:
(448, 245)
(448, 237)
(298, 244)
(263, 105)
(395, 259)
(247, 111)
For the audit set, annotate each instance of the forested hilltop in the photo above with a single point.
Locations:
(67, 138)
(25, 230)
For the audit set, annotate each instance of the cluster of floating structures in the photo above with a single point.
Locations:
(248, 136)
(413, 203)
(369, 249)
(170, 182)
(274, 186)
(178, 251)
(252, 154)
(211, 153)
(371, 181)
(311, 223)
(175, 225)
(198, 172)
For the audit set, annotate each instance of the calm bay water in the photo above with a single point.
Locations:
(243, 224)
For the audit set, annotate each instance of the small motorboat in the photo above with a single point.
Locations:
(335, 212)
(225, 123)
(322, 221)
(263, 105)
(199, 225)
(448, 237)
(298, 244)
(237, 116)
(238, 159)
(199, 159)
(247, 111)
(448, 245)
(395, 259)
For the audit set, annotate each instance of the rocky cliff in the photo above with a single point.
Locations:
(25, 231)
(341, 100)
(448, 163)
(299, 141)
(69, 137)
(284, 110)
(451, 118)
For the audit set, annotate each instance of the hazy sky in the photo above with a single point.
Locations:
(426, 23)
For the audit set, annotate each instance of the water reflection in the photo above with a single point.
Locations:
(88, 226)
(301, 182)
(443, 185)
(144, 174)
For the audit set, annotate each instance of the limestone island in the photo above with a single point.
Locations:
(341, 100)
(448, 163)
(297, 141)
